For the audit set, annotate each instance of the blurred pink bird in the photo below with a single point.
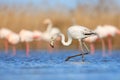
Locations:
(3, 35)
(102, 34)
(26, 36)
(13, 39)
(37, 37)
(111, 31)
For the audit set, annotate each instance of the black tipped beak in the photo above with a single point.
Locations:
(52, 45)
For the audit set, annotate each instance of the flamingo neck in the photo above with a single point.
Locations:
(49, 27)
(63, 40)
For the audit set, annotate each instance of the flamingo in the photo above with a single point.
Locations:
(37, 37)
(3, 35)
(91, 41)
(75, 32)
(102, 34)
(50, 31)
(101, 31)
(13, 39)
(46, 35)
(26, 36)
(111, 31)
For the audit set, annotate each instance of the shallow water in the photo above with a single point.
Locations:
(41, 65)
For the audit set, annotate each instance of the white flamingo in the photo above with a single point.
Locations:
(3, 35)
(13, 39)
(46, 35)
(26, 36)
(75, 32)
(51, 31)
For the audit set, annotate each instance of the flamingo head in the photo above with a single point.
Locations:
(47, 21)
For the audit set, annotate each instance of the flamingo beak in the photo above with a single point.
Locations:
(52, 43)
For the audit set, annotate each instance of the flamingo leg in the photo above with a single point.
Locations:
(85, 47)
(6, 46)
(14, 50)
(82, 44)
(109, 45)
(92, 48)
(27, 49)
(103, 47)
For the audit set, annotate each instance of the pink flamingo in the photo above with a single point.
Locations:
(111, 31)
(13, 39)
(102, 34)
(3, 35)
(26, 36)
(37, 37)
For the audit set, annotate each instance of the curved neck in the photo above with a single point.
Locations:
(49, 27)
(63, 40)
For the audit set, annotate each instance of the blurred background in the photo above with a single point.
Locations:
(30, 14)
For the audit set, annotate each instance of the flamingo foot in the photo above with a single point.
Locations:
(68, 58)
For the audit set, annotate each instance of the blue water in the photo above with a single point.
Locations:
(41, 65)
